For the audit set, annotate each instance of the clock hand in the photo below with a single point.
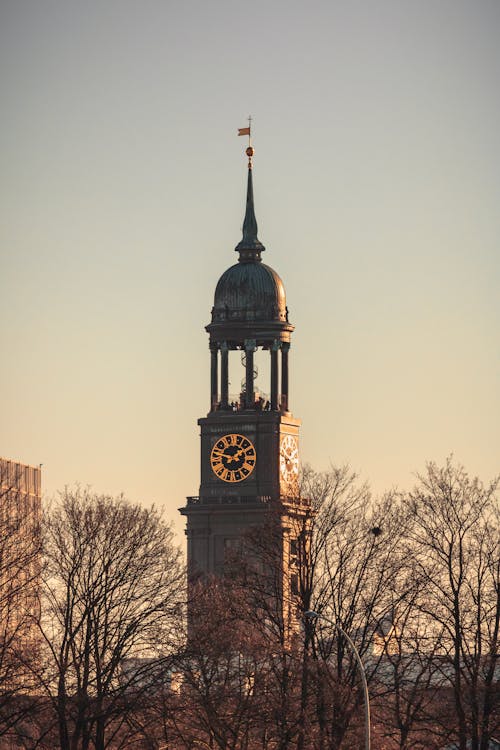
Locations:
(229, 457)
(235, 456)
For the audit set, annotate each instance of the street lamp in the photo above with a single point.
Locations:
(311, 615)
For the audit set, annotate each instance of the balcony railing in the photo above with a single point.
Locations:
(228, 499)
(245, 500)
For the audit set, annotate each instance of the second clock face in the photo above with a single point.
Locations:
(289, 459)
(233, 458)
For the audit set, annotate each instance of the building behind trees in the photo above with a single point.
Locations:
(20, 564)
(20, 568)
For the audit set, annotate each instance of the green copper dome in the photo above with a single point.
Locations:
(249, 291)
(250, 302)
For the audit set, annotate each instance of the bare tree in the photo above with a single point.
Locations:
(342, 560)
(457, 546)
(348, 559)
(407, 686)
(113, 587)
(411, 578)
(222, 671)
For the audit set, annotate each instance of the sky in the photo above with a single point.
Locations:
(122, 192)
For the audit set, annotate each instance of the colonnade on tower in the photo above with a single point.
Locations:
(219, 376)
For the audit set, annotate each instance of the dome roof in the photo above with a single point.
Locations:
(250, 297)
(249, 291)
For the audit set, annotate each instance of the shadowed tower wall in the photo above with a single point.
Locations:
(249, 447)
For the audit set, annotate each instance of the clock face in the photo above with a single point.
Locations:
(289, 459)
(233, 458)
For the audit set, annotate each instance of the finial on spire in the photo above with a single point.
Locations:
(250, 246)
(248, 131)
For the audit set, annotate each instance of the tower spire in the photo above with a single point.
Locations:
(250, 246)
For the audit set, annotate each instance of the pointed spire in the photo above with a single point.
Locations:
(250, 246)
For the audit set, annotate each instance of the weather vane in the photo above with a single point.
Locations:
(248, 131)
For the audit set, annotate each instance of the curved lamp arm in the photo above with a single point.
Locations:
(311, 615)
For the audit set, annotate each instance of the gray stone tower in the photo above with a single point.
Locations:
(249, 440)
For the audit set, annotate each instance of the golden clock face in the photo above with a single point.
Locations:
(233, 458)
(289, 459)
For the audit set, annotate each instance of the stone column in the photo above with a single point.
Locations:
(274, 375)
(214, 377)
(250, 346)
(284, 376)
(224, 375)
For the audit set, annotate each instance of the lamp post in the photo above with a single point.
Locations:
(311, 615)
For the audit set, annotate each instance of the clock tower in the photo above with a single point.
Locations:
(249, 439)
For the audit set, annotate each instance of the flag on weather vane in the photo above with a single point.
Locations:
(249, 151)
(246, 131)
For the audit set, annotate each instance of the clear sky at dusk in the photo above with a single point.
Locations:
(122, 189)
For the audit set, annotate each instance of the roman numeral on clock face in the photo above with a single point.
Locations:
(233, 457)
